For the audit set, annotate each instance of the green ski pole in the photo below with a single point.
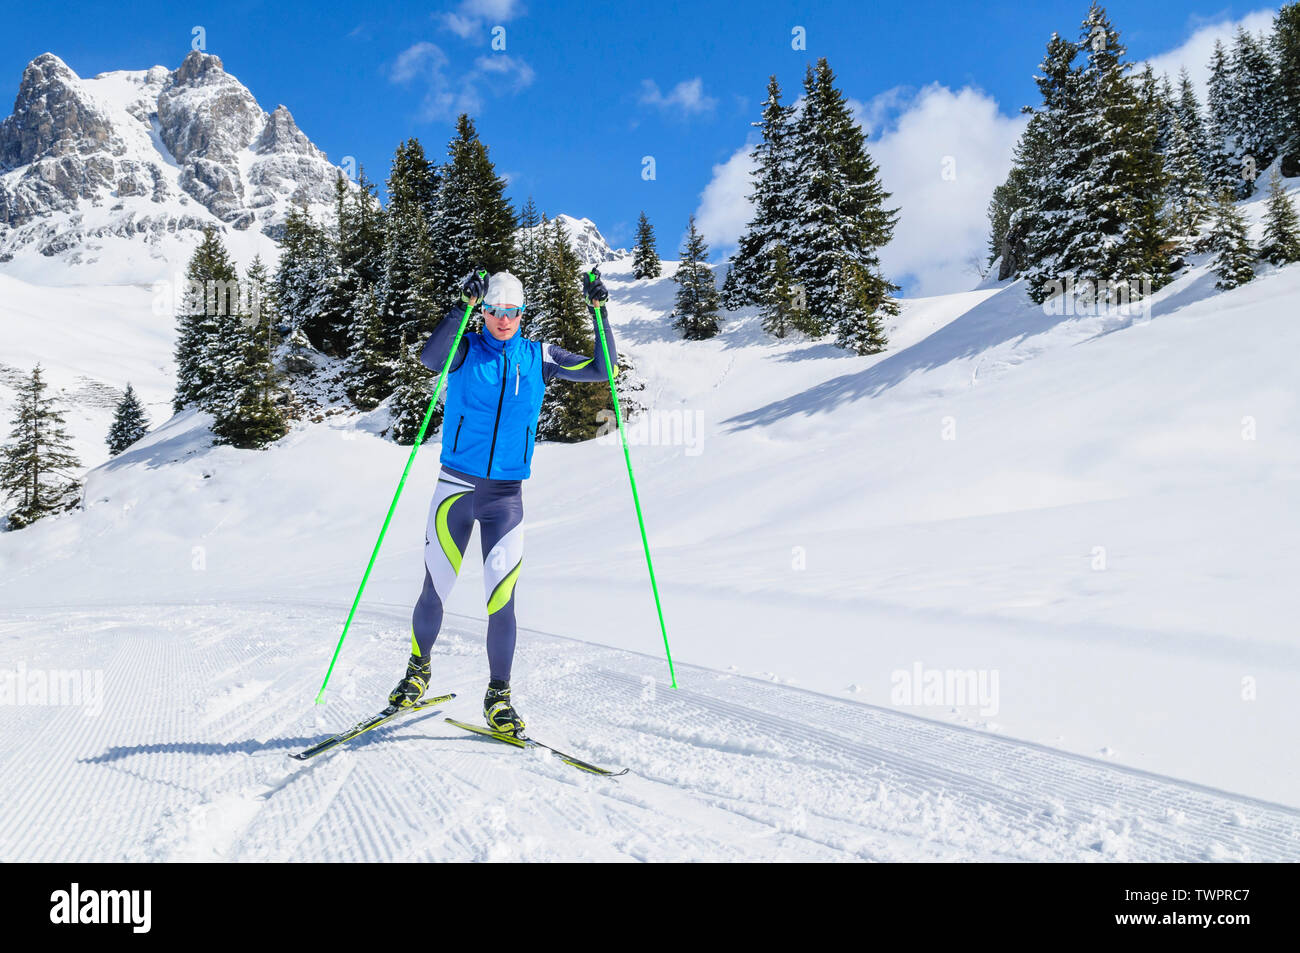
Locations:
(636, 501)
(419, 438)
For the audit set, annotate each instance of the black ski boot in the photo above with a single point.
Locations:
(410, 688)
(500, 714)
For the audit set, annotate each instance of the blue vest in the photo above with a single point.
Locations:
(490, 419)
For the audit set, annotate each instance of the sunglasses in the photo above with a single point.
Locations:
(511, 312)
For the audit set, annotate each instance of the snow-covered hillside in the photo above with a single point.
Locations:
(1092, 518)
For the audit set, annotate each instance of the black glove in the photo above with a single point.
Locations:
(593, 289)
(473, 287)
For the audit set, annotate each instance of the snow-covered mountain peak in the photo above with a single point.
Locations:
(587, 241)
(157, 153)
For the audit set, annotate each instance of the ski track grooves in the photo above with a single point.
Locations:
(202, 703)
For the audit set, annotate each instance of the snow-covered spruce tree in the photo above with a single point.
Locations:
(1187, 194)
(772, 201)
(475, 222)
(1235, 259)
(369, 369)
(1122, 186)
(1006, 199)
(645, 260)
(1158, 95)
(1016, 207)
(1051, 214)
(360, 250)
(253, 419)
(210, 296)
(1285, 42)
(306, 278)
(36, 465)
(413, 185)
(1256, 118)
(529, 250)
(570, 411)
(129, 422)
(361, 235)
(1221, 109)
(410, 398)
(782, 303)
(540, 292)
(867, 336)
(1188, 111)
(695, 312)
(840, 217)
(1281, 244)
(413, 383)
(248, 412)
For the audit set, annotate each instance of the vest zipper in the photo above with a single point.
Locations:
(505, 371)
(456, 441)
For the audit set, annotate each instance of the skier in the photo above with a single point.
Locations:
(489, 423)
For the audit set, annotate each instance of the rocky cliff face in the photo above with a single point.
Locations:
(151, 151)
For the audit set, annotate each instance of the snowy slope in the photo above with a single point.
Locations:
(725, 768)
(1096, 515)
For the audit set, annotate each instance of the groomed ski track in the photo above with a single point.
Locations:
(201, 704)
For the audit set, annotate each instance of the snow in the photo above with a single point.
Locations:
(1092, 516)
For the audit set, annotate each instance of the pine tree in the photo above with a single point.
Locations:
(475, 223)
(772, 200)
(1235, 260)
(645, 260)
(1188, 195)
(840, 219)
(696, 311)
(1286, 54)
(867, 336)
(530, 245)
(247, 413)
(1256, 119)
(129, 423)
(369, 370)
(1051, 212)
(1221, 99)
(1188, 111)
(1095, 182)
(1007, 199)
(306, 279)
(409, 401)
(211, 296)
(1124, 181)
(1281, 243)
(1019, 217)
(570, 411)
(1159, 100)
(782, 306)
(361, 256)
(413, 186)
(35, 466)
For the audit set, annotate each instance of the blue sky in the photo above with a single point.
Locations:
(582, 92)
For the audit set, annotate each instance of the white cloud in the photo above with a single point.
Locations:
(470, 16)
(415, 60)
(687, 96)
(724, 208)
(943, 222)
(873, 115)
(1195, 53)
(447, 96)
(941, 160)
